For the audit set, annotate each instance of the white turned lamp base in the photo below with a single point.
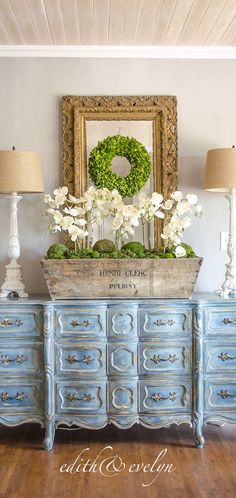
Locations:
(13, 281)
(228, 288)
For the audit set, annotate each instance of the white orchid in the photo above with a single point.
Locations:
(74, 211)
(60, 195)
(67, 222)
(76, 232)
(58, 216)
(168, 204)
(192, 199)
(72, 214)
(74, 200)
(180, 252)
(177, 196)
(63, 191)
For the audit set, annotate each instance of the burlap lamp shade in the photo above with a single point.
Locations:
(20, 171)
(220, 173)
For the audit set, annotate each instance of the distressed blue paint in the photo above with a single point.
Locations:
(151, 361)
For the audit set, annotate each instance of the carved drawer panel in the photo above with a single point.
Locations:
(20, 397)
(81, 322)
(123, 397)
(220, 321)
(220, 394)
(122, 358)
(168, 358)
(21, 359)
(79, 359)
(122, 322)
(220, 358)
(81, 397)
(167, 396)
(19, 323)
(158, 323)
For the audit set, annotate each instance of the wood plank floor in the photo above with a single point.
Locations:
(28, 471)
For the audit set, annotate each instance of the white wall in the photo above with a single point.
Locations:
(30, 97)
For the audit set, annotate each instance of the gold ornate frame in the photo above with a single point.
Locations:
(161, 110)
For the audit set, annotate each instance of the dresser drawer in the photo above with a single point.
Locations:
(122, 358)
(220, 358)
(122, 322)
(21, 359)
(19, 323)
(81, 322)
(89, 359)
(167, 359)
(20, 397)
(160, 323)
(123, 397)
(81, 397)
(220, 394)
(164, 397)
(220, 321)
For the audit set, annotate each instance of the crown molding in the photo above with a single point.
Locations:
(118, 52)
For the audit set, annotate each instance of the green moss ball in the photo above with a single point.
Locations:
(57, 251)
(135, 247)
(104, 246)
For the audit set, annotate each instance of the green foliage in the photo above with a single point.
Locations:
(101, 157)
(189, 250)
(86, 253)
(105, 249)
(136, 248)
(57, 251)
(168, 255)
(104, 246)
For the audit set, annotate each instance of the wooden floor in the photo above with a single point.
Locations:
(28, 471)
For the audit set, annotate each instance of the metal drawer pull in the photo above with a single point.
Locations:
(159, 397)
(72, 397)
(225, 394)
(18, 397)
(86, 359)
(157, 358)
(8, 323)
(5, 360)
(225, 356)
(85, 323)
(160, 323)
(226, 321)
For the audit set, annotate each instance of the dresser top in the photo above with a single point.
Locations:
(197, 298)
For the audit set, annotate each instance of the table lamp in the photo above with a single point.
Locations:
(220, 176)
(20, 172)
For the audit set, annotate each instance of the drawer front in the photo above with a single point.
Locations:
(123, 397)
(81, 397)
(220, 358)
(21, 359)
(122, 358)
(122, 322)
(19, 323)
(89, 359)
(158, 323)
(20, 397)
(81, 322)
(166, 397)
(167, 358)
(221, 321)
(220, 395)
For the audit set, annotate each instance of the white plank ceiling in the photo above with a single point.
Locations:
(118, 22)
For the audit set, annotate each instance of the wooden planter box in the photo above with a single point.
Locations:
(81, 278)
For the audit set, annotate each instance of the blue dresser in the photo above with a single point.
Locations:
(89, 363)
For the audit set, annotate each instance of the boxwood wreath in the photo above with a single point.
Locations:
(101, 157)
